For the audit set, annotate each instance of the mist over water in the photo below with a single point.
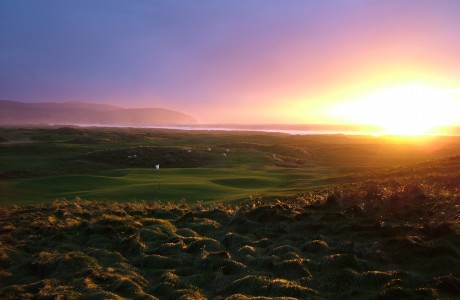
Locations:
(294, 129)
(300, 131)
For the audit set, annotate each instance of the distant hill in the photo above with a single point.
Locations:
(81, 113)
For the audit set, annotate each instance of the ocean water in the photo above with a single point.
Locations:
(273, 130)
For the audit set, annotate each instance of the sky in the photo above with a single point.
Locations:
(227, 61)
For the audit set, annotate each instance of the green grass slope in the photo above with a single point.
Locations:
(43, 164)
(173, 185)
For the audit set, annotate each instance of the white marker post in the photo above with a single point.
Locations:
(157, 167)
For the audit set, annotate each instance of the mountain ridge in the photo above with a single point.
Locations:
(86, 113)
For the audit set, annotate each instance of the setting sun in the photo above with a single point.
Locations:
(404, 110)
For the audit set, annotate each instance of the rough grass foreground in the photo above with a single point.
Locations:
(380, 239)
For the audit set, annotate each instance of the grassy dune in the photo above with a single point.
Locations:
(394, 235)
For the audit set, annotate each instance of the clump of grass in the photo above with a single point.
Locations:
(235, 240)
(203, 226)
(247, 250)
(340, 261)
(341, 284)
(375, 278)
(268, 214)
(264, 263)
(170, 248)
(222, 261)
(164, 225)
(264, 286)
(158, 262)
(52, 263)
(187, 232)
(132, 245)
(207, 244)
(105, 257)
(126, 287)
(316, 246)
(263, 243)
(291, 269)
(285, 250)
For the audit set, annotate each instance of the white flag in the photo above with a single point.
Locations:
(157, 167)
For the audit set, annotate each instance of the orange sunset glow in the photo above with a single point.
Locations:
(407, 109)
(389, 64)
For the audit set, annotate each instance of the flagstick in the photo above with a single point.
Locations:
(157, 167)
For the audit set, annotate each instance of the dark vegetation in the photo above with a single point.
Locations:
(390, 238)
(145, 156)
(390, 231)
(49, 151)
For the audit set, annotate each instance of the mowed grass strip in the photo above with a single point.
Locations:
(168, 185)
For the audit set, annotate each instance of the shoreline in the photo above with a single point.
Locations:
(300, 129)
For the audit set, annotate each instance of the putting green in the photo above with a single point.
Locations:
(244, 182)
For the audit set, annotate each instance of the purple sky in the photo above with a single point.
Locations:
(224, 61)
